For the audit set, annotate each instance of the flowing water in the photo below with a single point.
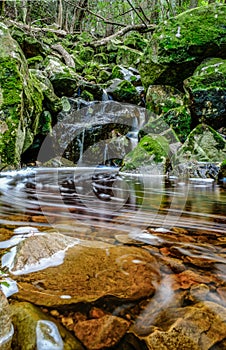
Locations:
(179, 221)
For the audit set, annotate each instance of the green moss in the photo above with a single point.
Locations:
(87, 95)
(136, 41)
(179, 119)
(126, 92)
(151, 149)
(103, 76)
(101, 58)
(86, 54)
(34, 62)
(179, 45)
(117, 73)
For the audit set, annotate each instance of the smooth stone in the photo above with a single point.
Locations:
(88, 271)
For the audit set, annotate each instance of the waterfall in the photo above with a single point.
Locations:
(81, 145)
(106, 156)
(105, 96)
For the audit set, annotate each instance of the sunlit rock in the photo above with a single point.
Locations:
(200, 327)
(87, 271)
(28, 321)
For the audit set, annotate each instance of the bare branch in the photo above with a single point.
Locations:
(66, 56)
(137, 12)
(123, 31)
(105, 19)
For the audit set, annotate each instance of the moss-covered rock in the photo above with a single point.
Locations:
(203, 144)
(207, 92)
(51, 102)
(161, 98)
(26, 318)
(222, 172)
(179, 119)
(123, 91)
(20, 103)
(158, 126)
(127, 56)
(152, 149)
(30, 44)
(180, 44)
(64, 79)
(86, 53)
(136, 41)
(130, 74)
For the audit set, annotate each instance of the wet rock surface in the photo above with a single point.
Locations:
(87, 272)
(103, 332)
(25, 320)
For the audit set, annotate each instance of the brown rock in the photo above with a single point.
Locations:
(101, 333)
(201, 326)
(90, 270)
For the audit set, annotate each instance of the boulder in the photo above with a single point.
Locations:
(64, 79)
(201, 154)
(65, 270)
(181, 43)
(123, 91)
(161, 98)
(206, 90)
(20, 101)
(203, 144)
(151, 151)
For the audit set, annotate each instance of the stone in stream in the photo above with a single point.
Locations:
(28, 320)
(101, 333)
(81, 271)
(6, 328)
(200, 327)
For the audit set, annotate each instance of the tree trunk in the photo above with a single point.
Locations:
(2, 8)
(60, 14)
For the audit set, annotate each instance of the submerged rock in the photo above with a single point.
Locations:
(88, 271)
(28, 321)
(101, 333)
(180, 44)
